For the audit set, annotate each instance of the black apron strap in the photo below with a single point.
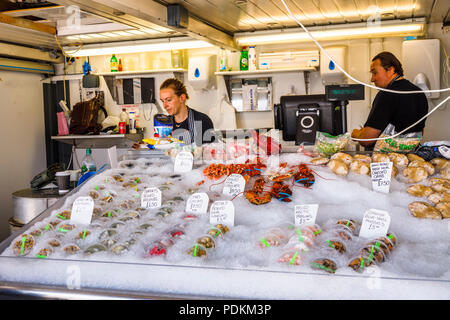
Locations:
(191, 122)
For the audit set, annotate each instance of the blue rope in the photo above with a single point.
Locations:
(305, 179)
(288, 195)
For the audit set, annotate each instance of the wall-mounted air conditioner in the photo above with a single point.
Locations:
(25, 66)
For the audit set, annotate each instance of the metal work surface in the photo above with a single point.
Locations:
(100, 140)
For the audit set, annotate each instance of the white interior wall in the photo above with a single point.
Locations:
(437, 125)
(22, 137)
(359, 55)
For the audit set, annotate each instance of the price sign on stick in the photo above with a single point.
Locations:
(381, 176)
(375, 224)
(183, 162)
(82, 210)
(112, 155)
(305, 214)
(222, 212)
(197, 203)
(234, 185)
(151, 198)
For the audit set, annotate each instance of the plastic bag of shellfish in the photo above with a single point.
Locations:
(202, 246)
(327, 145)
(334, 243)
(217, 231)
(338, 237)
(404, 143)
(325, 260)
(349, 224)
(346, 229)
(291, 257)
(360, 263)
(291, 236)
(300, 242)
(274, 237)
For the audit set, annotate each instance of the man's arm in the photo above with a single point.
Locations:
(366, 133)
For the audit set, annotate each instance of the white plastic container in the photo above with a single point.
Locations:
(252, 59)
(124, 116)
(132, 122)
(223, 60)
(329, 72)
(201, 72)
(420, 59)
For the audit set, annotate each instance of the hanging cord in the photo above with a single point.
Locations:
(371, 86)
(348, 75)
(66, 54)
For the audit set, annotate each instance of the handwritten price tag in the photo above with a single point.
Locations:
(222, 212)
(183, 162)
(234, 185)
(381, 176)
(82, 210)
(305, 214)
(375, 224)
(151, 198)
(197, 203)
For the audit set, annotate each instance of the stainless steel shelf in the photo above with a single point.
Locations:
(140, 72)
(262, 71)
(101, 140)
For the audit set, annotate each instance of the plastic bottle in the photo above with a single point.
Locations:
(132, 122)
(88, 163)
(120, 67)
(252, 59)
(176, 58)
(124, 118)
(223, 60)
(113, 63)
(244, 59)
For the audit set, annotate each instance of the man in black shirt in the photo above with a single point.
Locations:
(401, 110)
(189, 125)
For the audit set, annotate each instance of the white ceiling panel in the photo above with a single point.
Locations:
(229, 16)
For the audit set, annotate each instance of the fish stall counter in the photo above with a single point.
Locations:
(146, 230)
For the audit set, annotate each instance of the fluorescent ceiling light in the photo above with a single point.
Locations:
(123, 33)
(321, 16)
(136, 32)
(97, 35)
(347, 31)
(138, 46)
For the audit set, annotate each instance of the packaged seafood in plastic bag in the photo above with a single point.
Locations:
(291, 257)
(349, 224)
(274, 237)
(336, 244)
(300, 242)
(359, 263)
(24, 245)
(197, 251)
(402, 144)
(343, 232)
(373, 251)
(327, 145)
(157, 249)
(327, 263)
(218, 230)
